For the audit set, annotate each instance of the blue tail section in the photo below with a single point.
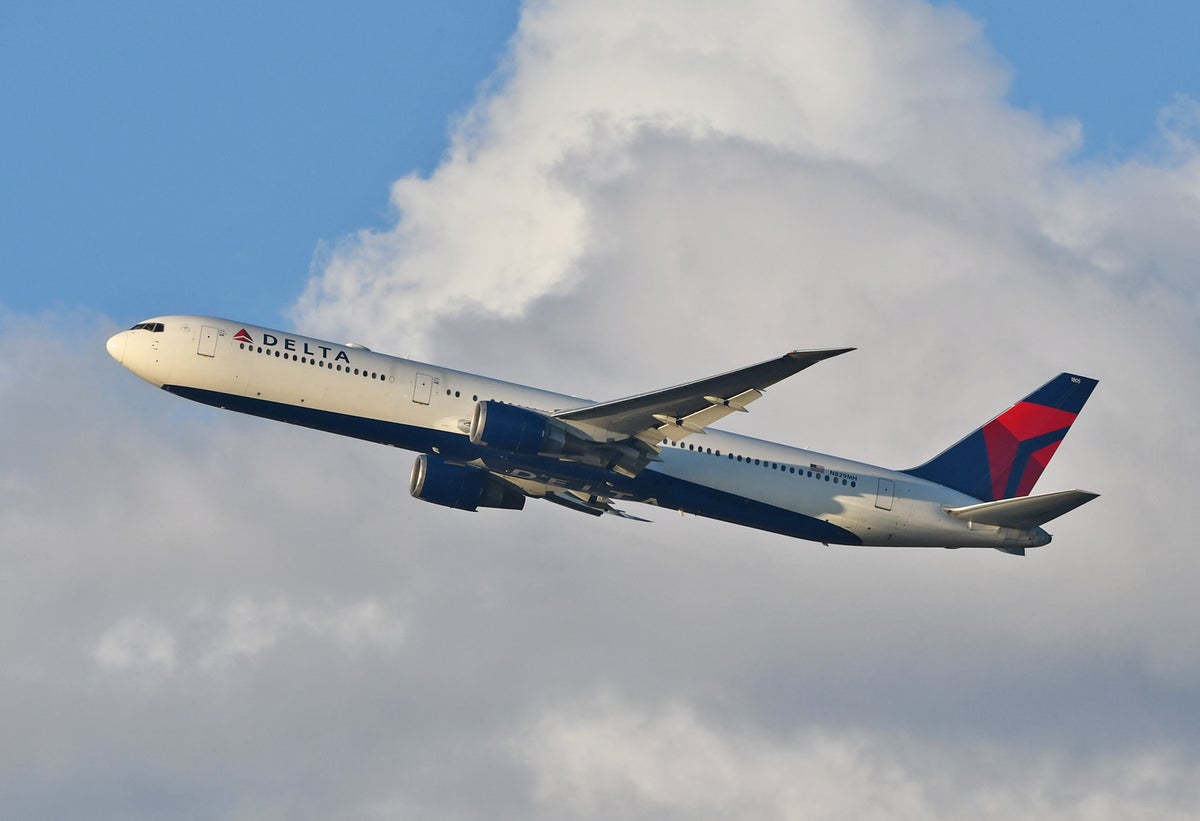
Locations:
(1004, 458)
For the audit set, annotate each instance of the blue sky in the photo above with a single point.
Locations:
(159, 156)
(174, 157)
(1112, 64)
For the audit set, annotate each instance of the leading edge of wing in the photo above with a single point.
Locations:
(634, 414)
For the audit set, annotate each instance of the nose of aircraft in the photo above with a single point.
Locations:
(116, 346)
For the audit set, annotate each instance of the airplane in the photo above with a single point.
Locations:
(485, 443)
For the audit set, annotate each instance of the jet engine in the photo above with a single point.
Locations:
(520, 430)
(460, 486)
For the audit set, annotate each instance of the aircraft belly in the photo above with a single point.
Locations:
(672, 491)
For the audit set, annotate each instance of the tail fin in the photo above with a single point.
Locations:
(1004, 458)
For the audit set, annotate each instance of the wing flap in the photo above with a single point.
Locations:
(591, 505)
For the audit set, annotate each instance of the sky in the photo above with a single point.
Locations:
(211, 616)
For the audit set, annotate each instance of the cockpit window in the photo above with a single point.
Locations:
(152, 327)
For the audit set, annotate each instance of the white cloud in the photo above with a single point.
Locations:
(888, 93)
(501, 222)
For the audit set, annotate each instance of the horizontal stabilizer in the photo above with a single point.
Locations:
(1023, 512)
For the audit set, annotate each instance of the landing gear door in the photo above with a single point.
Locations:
(887, 492)
(208, 341)
(422, 388)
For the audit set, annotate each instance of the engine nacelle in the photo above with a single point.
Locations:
(520, 430)
(460, 486)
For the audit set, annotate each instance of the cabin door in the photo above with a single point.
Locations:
(208, 341)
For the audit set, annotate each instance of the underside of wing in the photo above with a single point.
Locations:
(589, 503)
(584, 503)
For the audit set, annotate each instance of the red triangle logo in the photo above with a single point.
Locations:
(242, 336)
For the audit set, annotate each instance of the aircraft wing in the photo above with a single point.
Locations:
(678, 412)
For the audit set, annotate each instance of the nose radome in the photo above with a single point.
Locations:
(116, 346)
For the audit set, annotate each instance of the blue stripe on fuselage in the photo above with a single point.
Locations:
(668, 491)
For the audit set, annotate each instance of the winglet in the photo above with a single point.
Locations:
(813, 357)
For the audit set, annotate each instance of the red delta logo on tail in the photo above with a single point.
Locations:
(1020, 443)
(1004, 458)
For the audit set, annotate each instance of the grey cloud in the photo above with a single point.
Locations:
(242, 619)
(606, 759)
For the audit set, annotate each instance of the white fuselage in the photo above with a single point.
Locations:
(353, 391)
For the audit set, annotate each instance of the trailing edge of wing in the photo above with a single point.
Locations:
(1023, 512)
(689, 408)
